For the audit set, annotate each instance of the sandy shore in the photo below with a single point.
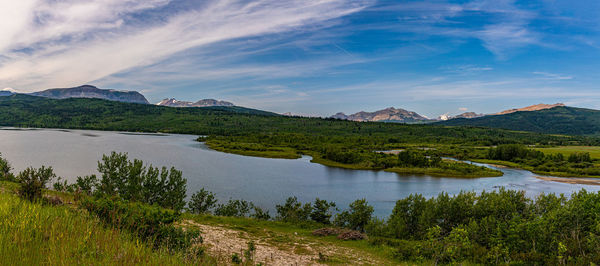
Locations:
(570, 180)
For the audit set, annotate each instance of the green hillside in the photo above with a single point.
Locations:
(557, 120)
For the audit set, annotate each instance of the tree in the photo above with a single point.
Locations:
(5, 169)
(33, 181)
(321, 211)
(86, 184)
(293, 211)
(132, 180)
(235, 208)
(357, 217)
(202, 201)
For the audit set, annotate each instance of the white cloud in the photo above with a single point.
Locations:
(552, 76)
(99, 44)
(463, 109)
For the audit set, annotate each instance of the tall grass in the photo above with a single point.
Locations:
(36, 234)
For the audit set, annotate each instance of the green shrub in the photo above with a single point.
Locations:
(235, 208)
(5, 169)
(357, 217)
(86, 184)
(151, 223)
(132, 180)
(293, 211)
(202, 201)
(259, 213)
(322, 211)
(33, 181)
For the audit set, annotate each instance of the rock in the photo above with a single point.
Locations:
(201, 103)
(390, 114)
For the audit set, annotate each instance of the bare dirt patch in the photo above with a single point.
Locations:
(274, 248)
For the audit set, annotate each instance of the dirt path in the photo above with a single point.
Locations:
(274, 248)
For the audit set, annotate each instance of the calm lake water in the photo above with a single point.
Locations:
(266, 182)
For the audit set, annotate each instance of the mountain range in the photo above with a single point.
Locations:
(398, 115)
(556, 120)
(89, 91)
(390, 114)
(201, 103)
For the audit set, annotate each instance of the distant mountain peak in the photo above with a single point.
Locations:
(445, 117)
(535, 107)
(390, 114)
(172, 102)
(90, 91)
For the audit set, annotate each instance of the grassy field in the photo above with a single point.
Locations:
(35, 234)
(568, 150)
(40, 234)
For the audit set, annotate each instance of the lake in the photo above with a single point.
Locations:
(266, 182)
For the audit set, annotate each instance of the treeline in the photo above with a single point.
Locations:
(251, 126)
(579, 163)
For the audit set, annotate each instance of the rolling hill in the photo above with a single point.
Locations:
(21, 110)
(557, 120)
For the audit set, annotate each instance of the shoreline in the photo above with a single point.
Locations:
(570, 180)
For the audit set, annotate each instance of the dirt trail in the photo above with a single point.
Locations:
(275, 248)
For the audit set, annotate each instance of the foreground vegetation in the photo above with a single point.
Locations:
(113, 221)
(38, 234)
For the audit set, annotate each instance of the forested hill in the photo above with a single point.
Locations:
(97, 114)
(557, 120)
(21, 110)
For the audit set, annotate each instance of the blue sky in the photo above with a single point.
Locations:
(312, 57)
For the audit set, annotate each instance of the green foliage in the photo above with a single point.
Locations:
(33, 181)
(5, 168)
(558, 120)
(250, 251)
(86, 184)
(322, 211)
(236, 259)
(202, 201)
(293, 211)
(39, 234)
(151, 223)
(496, 227)
(357, 217)
(235, 208)
(259, 213)
(578, 163)
(132, 180)
(63, 186)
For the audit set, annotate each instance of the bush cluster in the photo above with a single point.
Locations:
(579, 163)
(503, 226)
(150, 223)
(134, 181)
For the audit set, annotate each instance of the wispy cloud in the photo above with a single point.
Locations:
(75, 45)
(552, 76)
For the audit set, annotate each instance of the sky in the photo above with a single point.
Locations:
(314, 57)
